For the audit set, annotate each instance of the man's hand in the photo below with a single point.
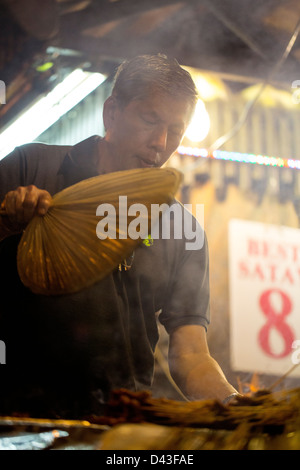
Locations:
(21, 205)
(196, 373)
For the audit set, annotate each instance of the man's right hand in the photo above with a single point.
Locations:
(22, 204)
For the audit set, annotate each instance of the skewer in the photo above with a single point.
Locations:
(277, 382)
(51, 423)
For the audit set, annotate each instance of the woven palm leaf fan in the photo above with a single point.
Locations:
(61, 253)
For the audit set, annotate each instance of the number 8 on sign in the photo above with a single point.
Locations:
(275, 319)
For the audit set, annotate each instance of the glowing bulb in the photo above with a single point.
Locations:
(200, 124)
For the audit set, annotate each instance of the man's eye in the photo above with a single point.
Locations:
(148, 121)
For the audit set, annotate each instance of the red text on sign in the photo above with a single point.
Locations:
(275, 320)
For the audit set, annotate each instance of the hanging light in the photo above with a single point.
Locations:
(200, 124)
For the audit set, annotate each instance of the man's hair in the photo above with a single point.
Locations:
(140, 76)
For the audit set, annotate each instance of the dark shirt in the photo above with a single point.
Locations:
(65, 353)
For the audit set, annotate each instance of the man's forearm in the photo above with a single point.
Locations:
(200, 377)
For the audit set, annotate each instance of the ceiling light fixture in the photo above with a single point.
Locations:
(47, 110)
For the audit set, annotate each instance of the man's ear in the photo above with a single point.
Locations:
(109, 109)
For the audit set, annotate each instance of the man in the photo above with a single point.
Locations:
(65, 353)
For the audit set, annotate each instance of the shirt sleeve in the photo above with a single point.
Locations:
(12, 172)
(189, 294)
(35, 163)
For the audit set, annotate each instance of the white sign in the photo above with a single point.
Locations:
(264, 276)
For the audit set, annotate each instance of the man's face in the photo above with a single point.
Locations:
(146, 132)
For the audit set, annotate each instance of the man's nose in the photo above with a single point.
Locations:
(159, 139)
